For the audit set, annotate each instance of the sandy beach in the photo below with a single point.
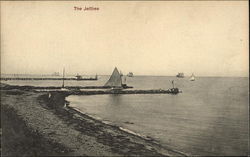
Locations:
(35, 124)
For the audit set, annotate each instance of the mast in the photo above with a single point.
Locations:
(63, 78)
(173, 83)
(125, 80)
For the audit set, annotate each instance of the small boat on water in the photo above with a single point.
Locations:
(130, 74)
(115, 81)
(192, 78)
(78, 77)
(180, 75)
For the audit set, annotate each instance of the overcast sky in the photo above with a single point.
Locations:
(147, 38)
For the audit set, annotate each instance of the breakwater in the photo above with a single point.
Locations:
(101, 92)
(76, 90)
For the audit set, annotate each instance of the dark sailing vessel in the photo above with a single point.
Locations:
(115, 81)
(130, 74)
(80, 78)
(180, 75)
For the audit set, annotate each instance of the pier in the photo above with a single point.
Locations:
(111, 91)
(101, 92)
(89, 90)
(38, 79)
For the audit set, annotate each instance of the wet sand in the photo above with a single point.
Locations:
(48, 127)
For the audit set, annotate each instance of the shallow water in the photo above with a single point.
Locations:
(210, 117)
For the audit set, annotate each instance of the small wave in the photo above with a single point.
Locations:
(134, 133)
(92, 116)
(107, 122)
(126, 130)
(78, 110)
(110, 123)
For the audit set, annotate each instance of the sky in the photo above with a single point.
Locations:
(208, 38)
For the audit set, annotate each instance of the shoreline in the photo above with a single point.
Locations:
(19, 139)
(121, 130)
(74, 131)
(144, 137)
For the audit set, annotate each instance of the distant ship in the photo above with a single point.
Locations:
(180, 75)
(78, 77)
(130, 74)
(192, 78)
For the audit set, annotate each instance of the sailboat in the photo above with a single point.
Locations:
(130, 74)
(180, 75)
(192, 78)
(115, 80)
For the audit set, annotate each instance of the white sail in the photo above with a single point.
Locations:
(115, 79)
(192, 78)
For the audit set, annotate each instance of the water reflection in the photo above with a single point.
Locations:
(114, 100)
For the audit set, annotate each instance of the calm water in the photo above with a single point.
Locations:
(210, 117)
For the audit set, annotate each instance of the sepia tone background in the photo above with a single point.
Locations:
(208, 38)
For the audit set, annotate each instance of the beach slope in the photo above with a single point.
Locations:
(48, 127)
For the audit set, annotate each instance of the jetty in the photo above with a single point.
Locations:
(103, 92)
(113, 86)
(51, 78)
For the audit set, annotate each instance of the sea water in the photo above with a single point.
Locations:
(210, 116)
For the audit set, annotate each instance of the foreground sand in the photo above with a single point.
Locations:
(56, 129)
